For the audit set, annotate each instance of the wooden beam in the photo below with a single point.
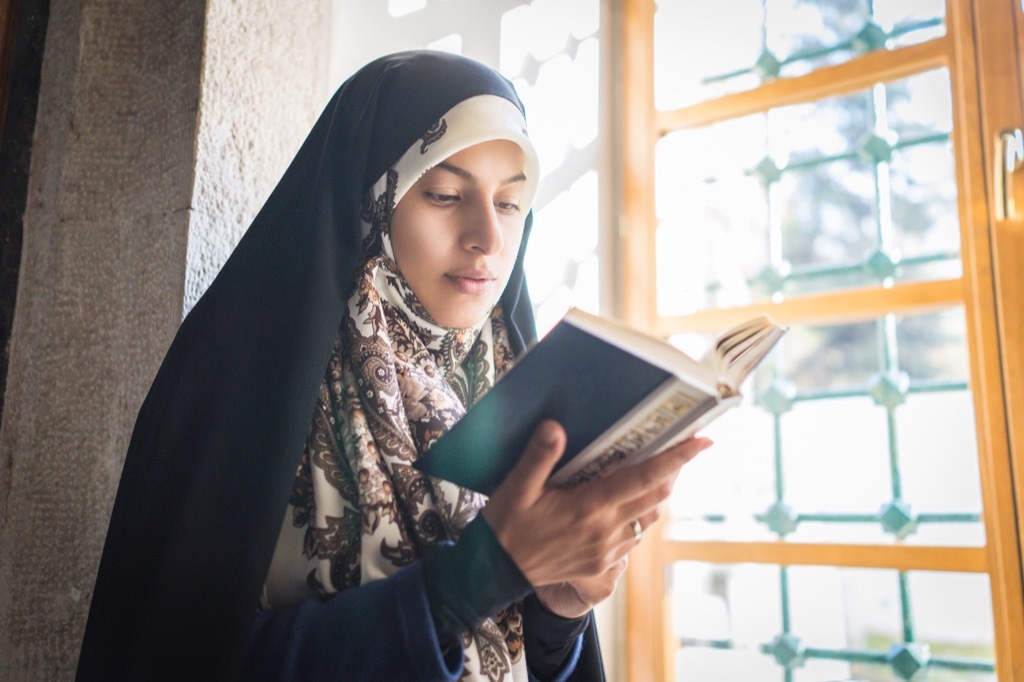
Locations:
(857, 74)
(986, 96)
(645, 632)
(897, 557)
(636, 224)
(850, 305)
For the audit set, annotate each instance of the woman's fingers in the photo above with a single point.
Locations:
(636, 490)
(554, 535)
(531, 472)
(632, 532)
(513, 511)
(525, 483)
(636, 514)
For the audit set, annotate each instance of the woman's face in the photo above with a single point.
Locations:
(456, 232)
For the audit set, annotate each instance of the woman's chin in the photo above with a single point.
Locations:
(460, 315)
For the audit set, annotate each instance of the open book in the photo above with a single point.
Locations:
(621, 395)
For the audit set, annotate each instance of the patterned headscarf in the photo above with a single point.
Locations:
(395, 383)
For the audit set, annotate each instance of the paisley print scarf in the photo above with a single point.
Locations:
(397, 381)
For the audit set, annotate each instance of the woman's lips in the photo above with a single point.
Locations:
(474, 283)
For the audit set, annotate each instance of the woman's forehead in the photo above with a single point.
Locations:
(502, 157)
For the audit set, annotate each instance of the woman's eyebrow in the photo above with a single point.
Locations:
(466, 175)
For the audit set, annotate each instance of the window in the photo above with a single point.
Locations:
(826, 163)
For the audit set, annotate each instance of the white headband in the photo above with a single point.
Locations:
(471, 121)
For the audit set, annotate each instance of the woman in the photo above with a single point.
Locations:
(391, 253)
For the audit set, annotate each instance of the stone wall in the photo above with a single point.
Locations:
(159, 125)
(25, 53)
(264, 84)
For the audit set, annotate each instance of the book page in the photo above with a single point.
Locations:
(740, 349)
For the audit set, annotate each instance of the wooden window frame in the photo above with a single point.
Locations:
(984, 59)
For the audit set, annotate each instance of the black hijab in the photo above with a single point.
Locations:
(214, 450)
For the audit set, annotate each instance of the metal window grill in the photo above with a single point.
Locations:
(888, 388)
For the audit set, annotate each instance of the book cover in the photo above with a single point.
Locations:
(617, 406)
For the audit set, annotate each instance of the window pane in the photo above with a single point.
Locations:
(705, 50)
(837, 441)
(851, 191)
(755, 622)
(550, 50)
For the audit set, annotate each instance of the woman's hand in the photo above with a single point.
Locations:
(574, 598)
(578, 535)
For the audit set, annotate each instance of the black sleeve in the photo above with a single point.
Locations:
(406, 626)
(474, 579)
(471, 580)
(382, 630)
(550, 639)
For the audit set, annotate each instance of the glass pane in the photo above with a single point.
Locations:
(695, 40)
(821, 357)
(720, 493)
(705, 50)
(851, 191)
(933, 347)
(828, 215)
(564, 240)
(837, 441)
(712, 238)
(812, 623)
(550, 49)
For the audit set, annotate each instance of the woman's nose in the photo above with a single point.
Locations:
(482, 231)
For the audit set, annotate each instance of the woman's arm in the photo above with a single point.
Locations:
(470, 581)
(381, 630)
(533, 536)
(407, 626)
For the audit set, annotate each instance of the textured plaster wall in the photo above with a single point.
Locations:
(264, 84)
(161, 128)
(99, 287)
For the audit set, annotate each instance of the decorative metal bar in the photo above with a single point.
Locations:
(911, 26)
(784, 587)
(802, 272)
(962, 664)
(853, 155)
(711, 643)
(824, 517)
(819, 161)
(923, 139)
(864, 391)
(908, 618)
(838, 518)
(937, 385)
(952, 517)
(843, 46)
(810, 395)
(807, 272)
(780, 489)
(846, 655)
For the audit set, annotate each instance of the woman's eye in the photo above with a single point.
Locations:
(442, 199)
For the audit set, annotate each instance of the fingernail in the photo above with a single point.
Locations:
(549, 435)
